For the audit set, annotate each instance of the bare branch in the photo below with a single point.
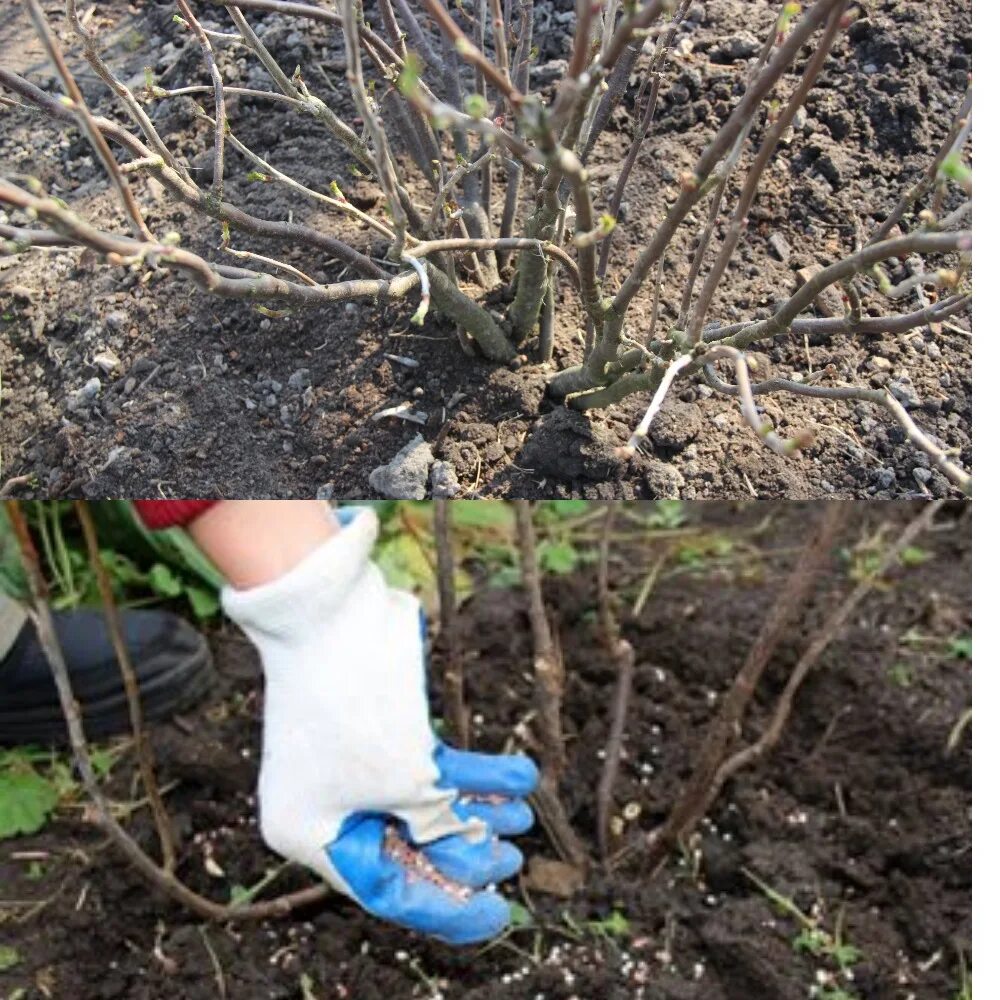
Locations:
(694, 801)
(86, 121)
(549, 681)
(455, 712)
(827, 633)
(143, 751)
(221, 126)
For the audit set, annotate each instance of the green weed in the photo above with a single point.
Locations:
(836, 955)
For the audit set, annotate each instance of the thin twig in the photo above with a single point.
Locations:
(624, 656)
(144, 752)
(221, 125)
(455, 712)
(827, 633)
(86, 120)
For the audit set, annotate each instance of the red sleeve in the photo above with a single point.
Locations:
(169, 513)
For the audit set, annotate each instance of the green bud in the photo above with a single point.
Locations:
(476, 106)
(407, 83)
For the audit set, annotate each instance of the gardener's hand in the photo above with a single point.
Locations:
(350, 758)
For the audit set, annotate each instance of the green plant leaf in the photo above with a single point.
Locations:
(557, 509)
(960, 648)
(101, 761)
(164, 581)
(239, 894)
(558, 557)
(26, 801)
(481, 513)
(615, 925)
(204, 602)
(9, 957)
(913, 555)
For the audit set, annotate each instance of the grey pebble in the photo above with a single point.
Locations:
(404, 476)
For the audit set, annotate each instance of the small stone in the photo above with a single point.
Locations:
(249, 404)
(115, 321)
(780, 246)
(664, 480)
(885, 479)
(922, 475)
(444, 480)
(326, 492)
(933, 351)
(728, 50)
(299, 378)
(828, 302)
(404, 477)
(880, 363)
(84, 395)
(696, 13)
(869, 68)
(903, 391)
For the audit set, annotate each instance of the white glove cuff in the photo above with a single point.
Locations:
(311, 591)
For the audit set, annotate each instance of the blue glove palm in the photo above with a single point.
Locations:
(392, 887)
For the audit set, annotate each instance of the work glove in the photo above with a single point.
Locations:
(352, 776)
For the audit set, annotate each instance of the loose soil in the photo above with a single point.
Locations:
(861, 811)
(210, 398)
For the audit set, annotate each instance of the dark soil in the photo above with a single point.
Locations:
(211, 398)
(860, 811)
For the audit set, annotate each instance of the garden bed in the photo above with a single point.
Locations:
(209, 397)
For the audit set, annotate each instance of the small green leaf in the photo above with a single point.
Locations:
(520, 916)
(565, 508)
(558, 557)
(914, 556)
(615, 925)
(204, 602)
(955, 169)
(481, 513)
(164, 581)
(901, 675)
(476, 106)
(960, 648)
(408, 81)
(26, 801)
(9, 957)
(239, 894)
(101, 761)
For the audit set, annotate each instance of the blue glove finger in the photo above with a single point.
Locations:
(484, 773)
(387, 889)
(474, 864)
(509, 819)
